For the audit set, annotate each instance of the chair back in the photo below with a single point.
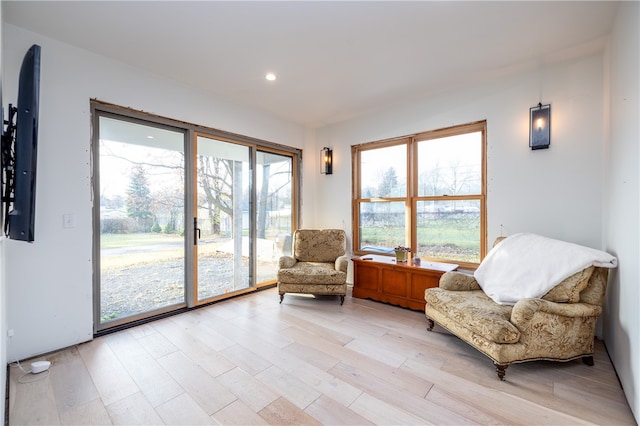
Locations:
(597, 287)
(595, 291)
(319, 245)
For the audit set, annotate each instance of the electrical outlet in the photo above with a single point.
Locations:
(10, 332)
(68, 220)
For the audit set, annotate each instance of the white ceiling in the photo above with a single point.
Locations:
(334, 60)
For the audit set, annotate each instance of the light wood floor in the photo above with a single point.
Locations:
(251, 361)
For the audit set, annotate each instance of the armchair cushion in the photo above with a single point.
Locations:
(475, 311)
(312, 273)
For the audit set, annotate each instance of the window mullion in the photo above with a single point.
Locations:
(412, 166)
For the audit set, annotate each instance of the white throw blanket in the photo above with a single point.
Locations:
(529, 265)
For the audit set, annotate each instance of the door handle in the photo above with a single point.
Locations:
(196, 231)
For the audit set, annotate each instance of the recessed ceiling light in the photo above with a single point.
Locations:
(270, 76)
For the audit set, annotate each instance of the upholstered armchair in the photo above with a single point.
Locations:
(511, 323)
(317, 264)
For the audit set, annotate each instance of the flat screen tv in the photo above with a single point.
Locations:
(20, 152)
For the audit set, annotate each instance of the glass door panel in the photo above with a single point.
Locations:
(223, 218)
(142, 249)
(274, 192)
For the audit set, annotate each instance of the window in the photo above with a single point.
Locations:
(425, 191)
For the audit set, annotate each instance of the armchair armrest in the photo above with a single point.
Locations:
(286, 262)
(525, 310)
(342, 263)
(458, 281)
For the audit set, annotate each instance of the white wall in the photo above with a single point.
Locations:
(561, 192)
(556, 192)
(49, 282)
(622, 230)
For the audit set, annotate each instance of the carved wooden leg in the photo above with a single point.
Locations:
(431, 324)
(500, 369)
(281, 297)
(588, 360)
(341, 299)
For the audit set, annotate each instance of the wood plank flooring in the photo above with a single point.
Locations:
(252, 361)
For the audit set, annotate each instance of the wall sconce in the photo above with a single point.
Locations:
(326, 161)
(540, 126)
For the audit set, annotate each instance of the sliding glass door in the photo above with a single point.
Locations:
(223, 217)
(141, 220)
(183, 216)
(274, 212)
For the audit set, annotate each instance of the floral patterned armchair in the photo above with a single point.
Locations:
(317, 265)
(558, 325)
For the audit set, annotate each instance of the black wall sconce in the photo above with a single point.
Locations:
(540, 126)
(326, 161)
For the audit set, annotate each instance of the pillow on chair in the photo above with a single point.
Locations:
(569, 290)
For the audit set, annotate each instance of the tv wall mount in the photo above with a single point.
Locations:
(8, 163)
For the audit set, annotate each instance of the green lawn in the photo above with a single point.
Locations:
(131, 240)
(445, 239)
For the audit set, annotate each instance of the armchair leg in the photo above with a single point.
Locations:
(500, 370)
(341, 299)
(281, 297)
(431, 324)
(588, 360)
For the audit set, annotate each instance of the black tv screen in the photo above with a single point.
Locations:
(21, 216)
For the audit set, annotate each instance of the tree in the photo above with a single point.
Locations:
(388, 183)
(263, 196)
(139, 198)
(168, 205)
(216, 180)
(156, 227)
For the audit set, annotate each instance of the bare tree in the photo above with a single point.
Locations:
(216, 180)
